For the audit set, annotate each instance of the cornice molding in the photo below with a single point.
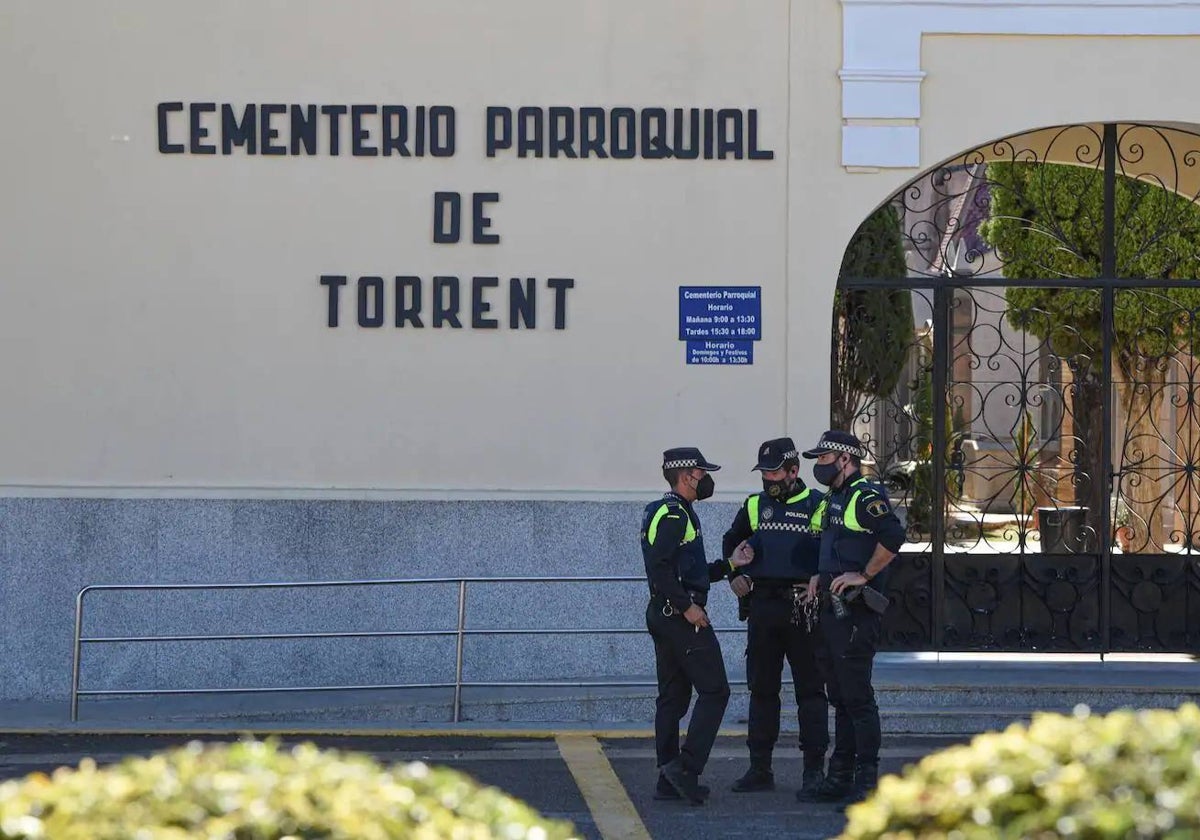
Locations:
(881, 70)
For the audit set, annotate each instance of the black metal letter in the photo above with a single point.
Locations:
(479, 306)
(199, 132)
(405, 312)
(358, 134)
(370, 312)
(500, 118)
(444, 202)
(165, 147)
(334, 283)
(560, 286)
(522, 304)
(482, 222)
(445, 310)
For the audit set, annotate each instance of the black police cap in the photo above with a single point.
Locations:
(838, 441)
(686, 457)
(773, 453)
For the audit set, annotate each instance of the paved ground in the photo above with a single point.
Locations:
(562, 777)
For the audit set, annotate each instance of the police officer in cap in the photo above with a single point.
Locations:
(777, 524)
(686, 651)
(860, 535)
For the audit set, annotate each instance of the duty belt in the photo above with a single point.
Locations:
(776, 588)
(698, 598)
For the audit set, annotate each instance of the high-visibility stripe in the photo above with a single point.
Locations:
(752, 510)
(818, 515)
(652, 530)
(850, 519)
(799, 497)
(690, 533)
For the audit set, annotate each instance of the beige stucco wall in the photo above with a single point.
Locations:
(161, 323)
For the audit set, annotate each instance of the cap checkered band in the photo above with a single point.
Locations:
(832, 446)
(790, 527)
(685, 462)
(790, 454)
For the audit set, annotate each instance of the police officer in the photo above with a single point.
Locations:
(777, 523)
(686, 651)
(860, 534)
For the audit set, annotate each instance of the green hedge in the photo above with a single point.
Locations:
(1124, 775)
(254, 790)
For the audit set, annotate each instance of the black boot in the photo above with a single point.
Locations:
(684, 781)
(838, 782)
(814, 776)
(758, 778)
(866, 776)
(664, 790)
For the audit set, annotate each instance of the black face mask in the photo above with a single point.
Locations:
(705, 487)
(827, 473)
(779, 489)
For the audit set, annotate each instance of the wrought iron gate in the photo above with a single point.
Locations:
(1015, 338)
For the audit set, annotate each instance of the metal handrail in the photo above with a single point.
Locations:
(460, 633)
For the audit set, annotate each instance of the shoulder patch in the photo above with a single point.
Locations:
(878, 508)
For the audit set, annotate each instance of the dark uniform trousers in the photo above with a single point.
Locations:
(846, 656)
(686, 660)
(770, 638)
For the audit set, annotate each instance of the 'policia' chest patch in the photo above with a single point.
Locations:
(836, 513)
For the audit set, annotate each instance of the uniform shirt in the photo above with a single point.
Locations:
(854, 519)
(676, 564)
(780, 531)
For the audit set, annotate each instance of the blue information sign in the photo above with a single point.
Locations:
(720, 352)
(719, 323)
(730, 313)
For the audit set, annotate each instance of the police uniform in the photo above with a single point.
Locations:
(785, 556)
(854, 518)
(686, 657)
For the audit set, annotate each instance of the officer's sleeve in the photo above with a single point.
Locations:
(662, 568)
(755, 542)
(738, 531)
(720, 569)
(875, 513)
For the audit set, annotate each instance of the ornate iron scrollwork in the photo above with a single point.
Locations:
(1033, 402)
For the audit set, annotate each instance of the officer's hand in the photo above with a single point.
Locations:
(811, 593)
(743, 555)
(741, 585)
(696, 616)
(843, 582)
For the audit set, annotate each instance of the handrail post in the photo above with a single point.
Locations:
(458, 649)
(75, 656)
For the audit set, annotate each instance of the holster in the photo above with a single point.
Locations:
(875, 600)
(743, 608)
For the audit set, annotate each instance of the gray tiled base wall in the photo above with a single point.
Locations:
(53, 547)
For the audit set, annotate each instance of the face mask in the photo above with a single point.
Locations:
(705, 487)
(826, 473)
(777, 489)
